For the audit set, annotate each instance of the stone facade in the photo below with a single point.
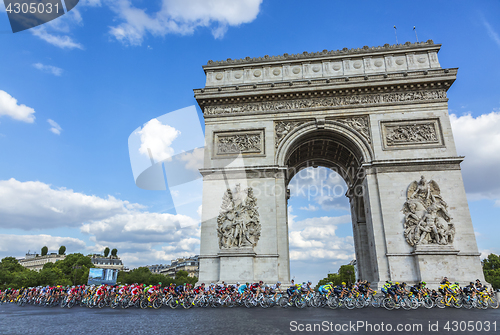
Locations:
(36, 262)
(111, 262)
(380, 116)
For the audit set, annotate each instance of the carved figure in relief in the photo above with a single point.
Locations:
(427, 220)
(238, 221)
(415, 133)
(325, 102)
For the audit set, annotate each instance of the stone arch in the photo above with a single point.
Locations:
(358, 150)
(343, 149)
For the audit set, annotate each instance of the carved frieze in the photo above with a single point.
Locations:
(360, 124)
(238, 224)
(234, 143)
(401, 134)
(347, 100)
(427, 220)
(282, 128)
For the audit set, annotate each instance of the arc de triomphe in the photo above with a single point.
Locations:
(377, 115)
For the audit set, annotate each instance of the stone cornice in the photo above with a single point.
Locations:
(328, 100)
(325, 54)
(439, 78)
(416, 161)
(265, 171)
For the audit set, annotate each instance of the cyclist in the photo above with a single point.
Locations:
(326, 289)
(275, 289)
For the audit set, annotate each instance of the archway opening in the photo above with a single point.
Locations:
(326, 215)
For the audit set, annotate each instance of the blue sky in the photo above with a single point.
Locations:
(107, 67)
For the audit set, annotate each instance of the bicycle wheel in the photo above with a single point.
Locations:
(157, 303)
(493, 302)
(173, 303)
(114, 304)
(283, 302)
(405, 303)
(359, 302)
(187, 303)
(101, 303)
(300, 302)
(440, 302)
(388, 304)
(457, 303)
(428, 302)
(332, 302)
(350, 303)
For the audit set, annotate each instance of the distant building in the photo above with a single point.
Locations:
(189, 264)
(110, 262)
(36, 262)
(157, 268)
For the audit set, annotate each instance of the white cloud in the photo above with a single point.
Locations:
(90, 3)
(140, 227)
(486, 252)
(36, 205)
(60, 41)
(56, 71)
(193, 159)
(478, 139)
(19, 245)
(56, 32)
(323, 186)
(311, 208)
(181, 17)
(316, 238)
(138, 236)
(156, 139)
(56, 128)
(491, 32)
(9, 107)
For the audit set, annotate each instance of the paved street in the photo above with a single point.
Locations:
(37, 320)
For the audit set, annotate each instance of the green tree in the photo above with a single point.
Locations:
(69, 270)
(114, 252)
(491, 270)
(45, 250)
(347, 274)
(106, 252)
(11, 264)
(62, 250)
(332, 277)
(53, 276)
(9, 268)
(182, 277)
(27, 278)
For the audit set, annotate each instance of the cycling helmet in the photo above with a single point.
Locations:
(343, 283)
(424, 283)
(238, 283)
(279, 283)
(397, 283)
(247, 284)
(456, 283)
(159, 283)
(330, 283)
(309, 282)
